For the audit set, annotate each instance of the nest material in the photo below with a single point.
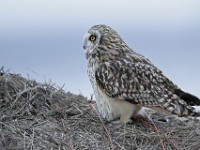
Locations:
(43, 116)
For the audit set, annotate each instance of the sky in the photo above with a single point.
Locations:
(43, 40)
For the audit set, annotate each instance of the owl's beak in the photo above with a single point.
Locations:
(86, 46)
(85, 41)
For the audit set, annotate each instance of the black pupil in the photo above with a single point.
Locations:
(92, 38)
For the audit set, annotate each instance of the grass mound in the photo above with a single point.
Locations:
(43, 116)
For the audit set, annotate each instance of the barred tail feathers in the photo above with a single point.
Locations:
(188, 98)
(177, 106)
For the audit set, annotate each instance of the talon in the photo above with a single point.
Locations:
(92, 101)
(130, 121)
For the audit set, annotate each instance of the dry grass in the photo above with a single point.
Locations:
(42, 116)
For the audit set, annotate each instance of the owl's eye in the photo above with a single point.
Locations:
(92, 38)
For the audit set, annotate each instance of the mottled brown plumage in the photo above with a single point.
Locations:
(124, 81)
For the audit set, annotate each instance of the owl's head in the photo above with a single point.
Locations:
(102, 40)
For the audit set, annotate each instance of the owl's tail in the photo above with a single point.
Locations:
(179, 107)
(180, 103)
(184, 110)
(188, 98)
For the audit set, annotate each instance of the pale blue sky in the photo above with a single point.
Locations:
(43, 38)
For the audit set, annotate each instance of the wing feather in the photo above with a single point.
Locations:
(133, 79)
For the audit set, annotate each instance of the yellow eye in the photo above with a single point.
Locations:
(92, 38)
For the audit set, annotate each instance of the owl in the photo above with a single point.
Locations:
(124, 81)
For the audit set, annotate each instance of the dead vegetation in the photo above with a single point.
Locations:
(42, 116)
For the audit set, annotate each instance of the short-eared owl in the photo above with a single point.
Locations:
(125, 81)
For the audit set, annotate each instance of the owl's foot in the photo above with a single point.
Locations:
(129, 121)
(92, 101)
(119, 121)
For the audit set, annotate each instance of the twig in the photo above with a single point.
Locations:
(19, 94)
(190, 135)
(70, 139)
(172, 142)
(159, 136)
(124, 136)
(107, 132)
(22, 107)
(24, 140)
(155, 129)
(32, 141)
